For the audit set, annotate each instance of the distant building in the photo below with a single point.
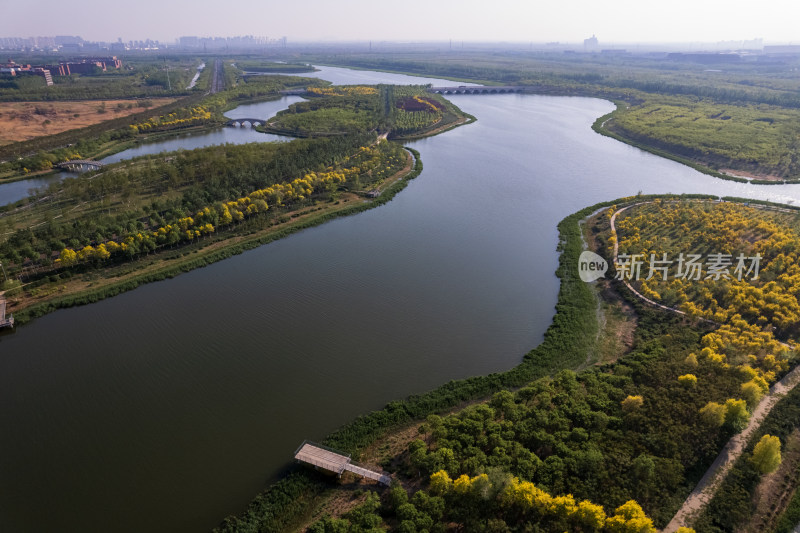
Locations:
(15, 69)
(189, 42)
(786, 49)
(64, 68)
(591, 44)
(61, 40)
(709, 58)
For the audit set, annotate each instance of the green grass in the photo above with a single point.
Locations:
(754, 136)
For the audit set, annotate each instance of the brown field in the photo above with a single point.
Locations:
(21, 121)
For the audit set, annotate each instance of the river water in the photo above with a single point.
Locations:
(168, 407)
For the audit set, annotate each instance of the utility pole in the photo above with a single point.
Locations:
(167, 67)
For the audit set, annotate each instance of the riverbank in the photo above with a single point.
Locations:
(304, 496)
(292, 499)
(737, 171)
(464, 118)
(602, 126)
(305, 334)
(93, 287)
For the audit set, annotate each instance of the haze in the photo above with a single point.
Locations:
(417, 20)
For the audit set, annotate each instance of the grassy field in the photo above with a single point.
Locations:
(22, 121)
(752, 140)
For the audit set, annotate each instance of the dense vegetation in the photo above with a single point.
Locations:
(603, 449)
(756, 137)
(402, 111)
(565, 345)
(332, 112)
(734, 504)
(157, 201)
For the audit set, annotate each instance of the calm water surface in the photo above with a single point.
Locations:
(170, 406)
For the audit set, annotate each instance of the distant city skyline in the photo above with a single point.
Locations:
(618, 21)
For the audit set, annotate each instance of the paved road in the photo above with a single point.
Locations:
(217, 79)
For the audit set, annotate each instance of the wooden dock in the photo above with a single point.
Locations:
(5, 321)
(333, 461)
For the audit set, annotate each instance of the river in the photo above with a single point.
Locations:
(168, 407)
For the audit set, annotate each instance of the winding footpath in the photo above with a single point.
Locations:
(733, 449)
(713, 477)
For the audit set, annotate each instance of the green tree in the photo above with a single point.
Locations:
(736, 414)
(713, 414)
(632, 403)
(752, 393)
(767, 454)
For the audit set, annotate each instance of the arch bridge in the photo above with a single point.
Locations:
(240, 122)
(80, 165)
(464, 89)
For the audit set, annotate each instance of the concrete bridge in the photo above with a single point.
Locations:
(294, 92)
(80, 165)
(464, 89)
(240, 122)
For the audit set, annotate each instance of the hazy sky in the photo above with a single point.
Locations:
(469, 20)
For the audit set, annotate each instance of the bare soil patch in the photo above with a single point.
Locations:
(22, 121)
(750, 175)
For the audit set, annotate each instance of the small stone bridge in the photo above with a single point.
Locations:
(486, 89)
(80, 165)
(240, 122)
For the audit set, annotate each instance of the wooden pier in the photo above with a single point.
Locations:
(5, 321)
(333, 461)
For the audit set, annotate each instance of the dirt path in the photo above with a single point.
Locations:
(708, 485)
(734, 448)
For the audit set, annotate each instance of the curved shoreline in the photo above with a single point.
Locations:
(224, 251)
(599, 126)
(560, 349)
(566, 340)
